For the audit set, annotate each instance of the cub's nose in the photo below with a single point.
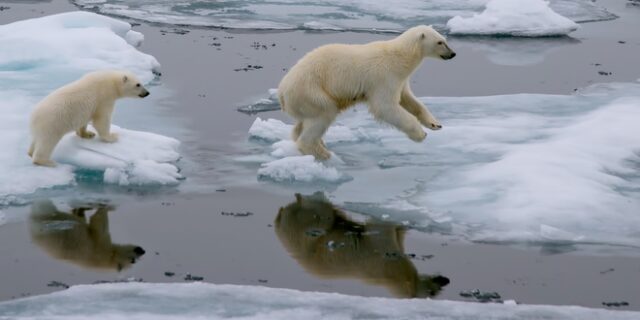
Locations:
(144, 94)
(453, 54)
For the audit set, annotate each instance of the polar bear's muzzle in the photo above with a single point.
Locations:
(449, 56)
(143, 94)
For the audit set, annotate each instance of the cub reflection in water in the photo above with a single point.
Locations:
(326, 243)
(67, 236)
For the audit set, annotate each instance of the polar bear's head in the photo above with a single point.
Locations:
(432, 43)
(131, 86)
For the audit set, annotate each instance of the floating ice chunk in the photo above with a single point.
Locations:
(269, 130)
(300, 169)
(272, 130)
(68, 42)
(555, 234)
(137, 158)
(200, 300)
(530, 18)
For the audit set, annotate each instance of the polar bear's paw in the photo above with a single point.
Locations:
(417, 135)
(111, 138)
(86, 135)
(45, 163)
(434, 126)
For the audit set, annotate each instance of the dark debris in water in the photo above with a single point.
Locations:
(616, 304)
(607, 271)
(481, 296)
(130, 279)
(175, 31)
(190, 277)
(237, 214)
(57, 284)
(3, 8)
(249, 67)
(169, 273)
(421, 257)
(605, 73)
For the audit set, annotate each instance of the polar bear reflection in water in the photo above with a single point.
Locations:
(326, 243)
(68, 236)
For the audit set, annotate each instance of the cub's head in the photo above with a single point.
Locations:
(124, 256)
(131, 87)
(433, 44)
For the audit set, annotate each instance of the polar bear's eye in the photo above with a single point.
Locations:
(440, 42)
(138, 85)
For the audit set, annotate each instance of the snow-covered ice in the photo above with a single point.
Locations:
(529, 18)
(523, 168)
(361, 15)
(141, 301)
(42, 54)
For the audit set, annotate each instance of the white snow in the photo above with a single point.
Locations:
(518, 168)
(361, 15)
(530, 18)
(42, 54)
(300, 169)
(142, 301)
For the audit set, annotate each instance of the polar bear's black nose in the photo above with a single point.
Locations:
(453, 54)
(138, 250)
(144, 94)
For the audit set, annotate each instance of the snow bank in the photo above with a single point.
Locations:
(529, 18)
(40, 55)
(140, 301)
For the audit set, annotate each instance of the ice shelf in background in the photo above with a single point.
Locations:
(359, 15)
(141, 301)
(524, 168)
(40, 55)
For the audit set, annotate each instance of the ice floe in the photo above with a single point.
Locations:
(167, 301)
(529, 18)
(525, 168)
(359, 15)
(42, 54)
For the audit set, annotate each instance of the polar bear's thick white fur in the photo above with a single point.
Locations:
(70, 108)
(334, 77)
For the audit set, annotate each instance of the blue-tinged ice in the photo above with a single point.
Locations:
(40, 55)
(168, 301)
(359, 15)
(522, 168)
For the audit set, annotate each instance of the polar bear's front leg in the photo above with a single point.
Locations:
(102, 123)
(410, 103)
(385, 107)
(84, 134)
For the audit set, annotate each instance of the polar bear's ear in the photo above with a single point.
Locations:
(125, 79)
(422, 36)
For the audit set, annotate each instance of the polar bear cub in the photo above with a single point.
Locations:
(71, 108)
(334, 77)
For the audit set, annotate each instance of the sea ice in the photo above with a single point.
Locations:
(42, 54)
(167, 301)
(360, 15)
(523, 168)
(529, 18)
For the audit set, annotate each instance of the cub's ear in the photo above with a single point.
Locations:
(125, 79)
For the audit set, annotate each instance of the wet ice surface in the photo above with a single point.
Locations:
(210, 301)
(549, 170)
(40, 55)
(363, 15)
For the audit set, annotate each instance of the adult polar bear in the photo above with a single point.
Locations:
(334, 77)
(70, 108)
